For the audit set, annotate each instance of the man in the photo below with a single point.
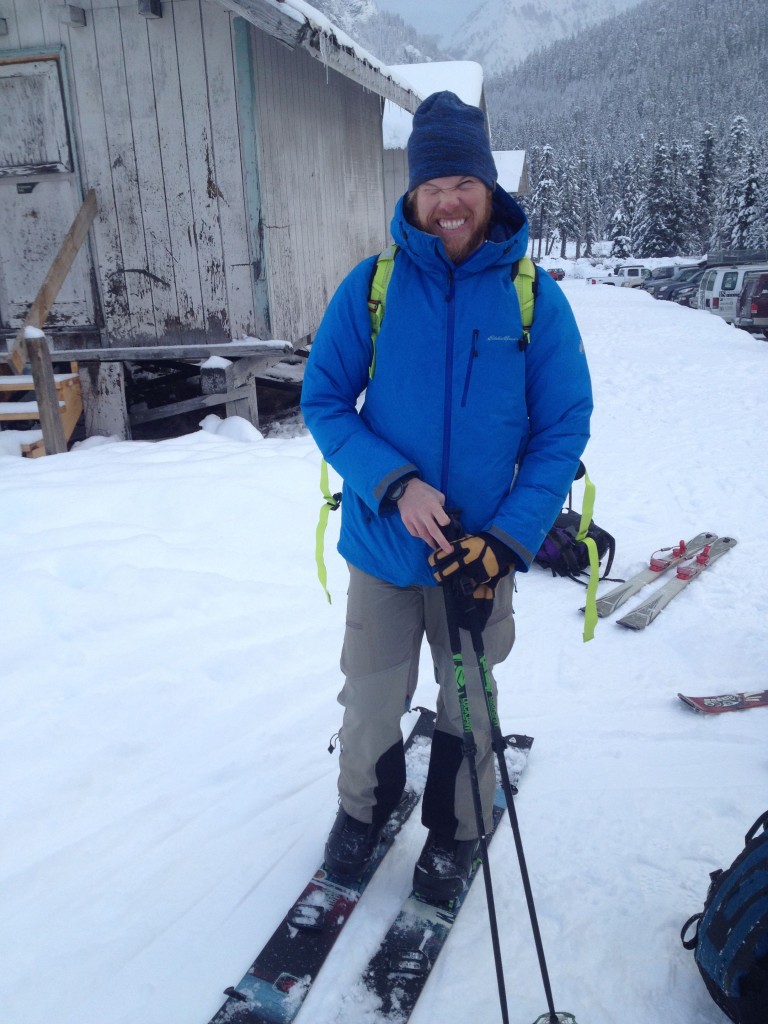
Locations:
(458, 414)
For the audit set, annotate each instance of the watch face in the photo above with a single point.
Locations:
(397, 491)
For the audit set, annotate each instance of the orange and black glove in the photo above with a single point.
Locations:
(473, 569)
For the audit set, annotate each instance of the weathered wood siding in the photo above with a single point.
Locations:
(237, 180)
(154, 112)
(320, 163)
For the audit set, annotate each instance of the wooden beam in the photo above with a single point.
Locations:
(46, 396)
(161, 353)
(45, 298)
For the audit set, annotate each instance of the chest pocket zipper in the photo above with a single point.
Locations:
(472, 357)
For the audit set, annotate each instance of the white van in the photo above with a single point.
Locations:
(720, 287)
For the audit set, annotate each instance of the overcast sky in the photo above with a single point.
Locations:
(434, 17)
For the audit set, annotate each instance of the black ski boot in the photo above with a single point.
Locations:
(349, 846)
(444, 866)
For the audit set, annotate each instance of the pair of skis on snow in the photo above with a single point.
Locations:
(274, 988)
(690, 560)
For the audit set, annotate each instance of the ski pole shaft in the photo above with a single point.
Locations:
(499, 746)
(470, 750)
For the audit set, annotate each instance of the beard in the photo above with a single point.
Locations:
(458, 249)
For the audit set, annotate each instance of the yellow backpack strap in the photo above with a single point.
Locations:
(330, 504)
(524, 279)
(377, 295)
(587, 510)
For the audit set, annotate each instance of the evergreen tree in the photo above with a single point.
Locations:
(652, 235)
(707, 186)
(746, 228)
(621, 247)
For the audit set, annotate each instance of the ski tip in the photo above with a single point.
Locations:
(556, 1018)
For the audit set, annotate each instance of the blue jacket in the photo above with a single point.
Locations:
(497, 429)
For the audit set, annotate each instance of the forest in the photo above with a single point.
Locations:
(650, 129)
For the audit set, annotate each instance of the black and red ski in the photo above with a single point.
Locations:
(274, 987)
(716, 705)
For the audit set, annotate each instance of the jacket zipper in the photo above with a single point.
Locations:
(473, 354)
(448, 389)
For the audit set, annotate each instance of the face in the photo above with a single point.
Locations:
(456, 209)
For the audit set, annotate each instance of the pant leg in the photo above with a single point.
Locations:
(448, 807)
(380, 660)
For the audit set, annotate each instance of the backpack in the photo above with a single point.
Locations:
(574, 547)
(526, 286)
(730, 943)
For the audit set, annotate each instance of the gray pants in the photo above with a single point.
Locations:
(380, 660)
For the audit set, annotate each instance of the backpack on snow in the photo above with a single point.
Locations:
(574, 546)
(730, 943)
(565, 551)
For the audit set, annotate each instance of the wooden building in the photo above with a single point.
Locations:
(235, 149)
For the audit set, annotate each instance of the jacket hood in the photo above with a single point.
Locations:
(507, 237)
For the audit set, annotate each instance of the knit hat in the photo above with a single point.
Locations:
(448, 138)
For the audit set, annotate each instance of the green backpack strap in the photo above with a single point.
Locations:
(587, 510)
(377, 295)
(525, 282)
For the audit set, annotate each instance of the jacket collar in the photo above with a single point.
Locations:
(507, 239)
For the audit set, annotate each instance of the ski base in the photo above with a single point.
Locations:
(722, 702)
(398, 971)
(277, 982)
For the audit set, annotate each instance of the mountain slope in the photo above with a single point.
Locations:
(501, 33)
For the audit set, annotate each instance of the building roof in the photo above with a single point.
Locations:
(297, 24)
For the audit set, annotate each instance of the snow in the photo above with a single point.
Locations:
(170, 669)
(463, 77)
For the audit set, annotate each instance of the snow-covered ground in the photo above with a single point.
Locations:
(170, 669)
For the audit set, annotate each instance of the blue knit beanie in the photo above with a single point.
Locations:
(448, 138)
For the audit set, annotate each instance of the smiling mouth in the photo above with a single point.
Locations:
(452, 225)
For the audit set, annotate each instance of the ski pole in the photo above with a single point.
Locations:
(499, 745)
(470, 751)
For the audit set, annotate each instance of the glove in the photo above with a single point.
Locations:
(472, 571)
(480, 558)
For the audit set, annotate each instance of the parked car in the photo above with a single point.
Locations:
(720, 288)
(629, 276)
(658, 277)
(688, 277)
(752, 307)
(557, 273)
(687, 295)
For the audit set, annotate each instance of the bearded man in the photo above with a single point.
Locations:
(461, 414)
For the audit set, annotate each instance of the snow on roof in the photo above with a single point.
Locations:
(464, 77)
(303, 13)
(509, 164)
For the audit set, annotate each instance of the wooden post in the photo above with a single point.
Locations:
(45, 298)
(47, 398)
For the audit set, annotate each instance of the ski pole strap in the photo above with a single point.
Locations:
(587, 509)
(330, 504)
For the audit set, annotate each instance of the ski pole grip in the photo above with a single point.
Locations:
(453, 530)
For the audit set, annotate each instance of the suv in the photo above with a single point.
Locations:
(720, 288)
(752, 306)
(629, 276)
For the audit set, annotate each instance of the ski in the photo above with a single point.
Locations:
(397, 972)
(274, 987)
(727, 702)
(660, 561)
(687, 571)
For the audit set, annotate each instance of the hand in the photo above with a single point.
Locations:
(480, 558)
(422, 509)
(472, 608)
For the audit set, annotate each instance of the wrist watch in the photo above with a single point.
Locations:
(397, 490)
